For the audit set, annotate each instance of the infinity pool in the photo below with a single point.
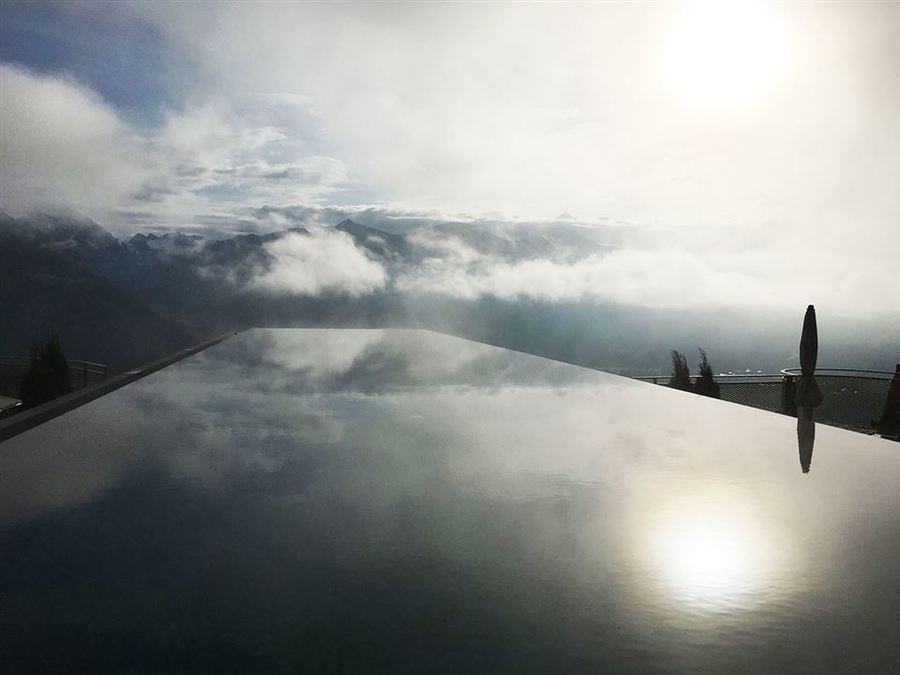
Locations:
(404, 501)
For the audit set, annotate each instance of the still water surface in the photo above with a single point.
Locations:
(402, 501)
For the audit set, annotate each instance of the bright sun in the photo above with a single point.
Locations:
(724, 55)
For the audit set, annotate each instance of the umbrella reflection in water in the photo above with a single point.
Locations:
(806, 437)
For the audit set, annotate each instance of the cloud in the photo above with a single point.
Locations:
(445, 251)
(441, 113)
(535, 110)
(213, 159)
(321, 262)
(669, 278)
(758, 268)
(62, 145)
(410, 115)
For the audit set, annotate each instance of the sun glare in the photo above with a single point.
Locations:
(725, 55)
(708, 562)
(709, 552)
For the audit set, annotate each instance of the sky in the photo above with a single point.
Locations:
(755, 147)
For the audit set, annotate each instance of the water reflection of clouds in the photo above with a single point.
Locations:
(374, 361)
(651, 503)
(323, 357)
(248, 405)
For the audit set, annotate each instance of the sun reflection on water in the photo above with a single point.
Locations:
(714, 554)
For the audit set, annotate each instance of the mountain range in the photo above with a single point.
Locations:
(127, 301)
(123, 302)
(52, 280)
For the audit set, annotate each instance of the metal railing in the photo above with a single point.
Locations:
(842, 372)
(81, 373)
(27, 419)
(853, 398)
(9, 408)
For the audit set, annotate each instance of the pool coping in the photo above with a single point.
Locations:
(16, 424)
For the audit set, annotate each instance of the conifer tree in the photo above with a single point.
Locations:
(706, 384)
(48, 373)
(681, 374)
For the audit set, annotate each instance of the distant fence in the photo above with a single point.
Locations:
(852, 398)
(81, 373)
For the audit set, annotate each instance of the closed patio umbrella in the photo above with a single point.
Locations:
(809, 342)
(808, 393)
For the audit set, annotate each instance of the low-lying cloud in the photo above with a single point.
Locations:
(669, 278)
(321, 262)
(328, 261)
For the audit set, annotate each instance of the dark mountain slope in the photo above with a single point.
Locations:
(41, 291)
(391, 247)
(518, 242)
(78, 240)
